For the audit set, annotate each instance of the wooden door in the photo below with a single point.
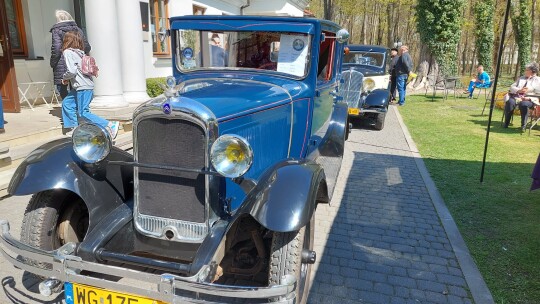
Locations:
(8, 80)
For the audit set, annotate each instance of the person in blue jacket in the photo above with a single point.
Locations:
(482, 80)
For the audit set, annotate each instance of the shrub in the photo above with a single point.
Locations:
(152, 86)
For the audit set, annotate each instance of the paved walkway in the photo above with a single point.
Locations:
(386, 237)
(382, 239)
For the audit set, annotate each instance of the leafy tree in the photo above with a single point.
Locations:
(521, 22)
(483, 14)
(439, 24)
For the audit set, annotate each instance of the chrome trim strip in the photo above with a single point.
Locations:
(67, 268)
(197, 113)
(157, 226)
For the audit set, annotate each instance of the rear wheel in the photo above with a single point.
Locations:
(52, 219)
(286, 259)
(379, 121)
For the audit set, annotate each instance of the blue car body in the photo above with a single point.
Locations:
(167, 201)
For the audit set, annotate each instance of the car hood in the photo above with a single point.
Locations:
(228, 98)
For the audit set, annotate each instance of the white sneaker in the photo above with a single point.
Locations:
(113, 128)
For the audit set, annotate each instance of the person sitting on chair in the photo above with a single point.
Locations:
(482, 80)
(527, 84)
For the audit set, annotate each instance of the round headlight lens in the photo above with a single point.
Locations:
(91, 143)
(369, 84)
(231, 155)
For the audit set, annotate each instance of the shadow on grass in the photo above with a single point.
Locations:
(385, 242)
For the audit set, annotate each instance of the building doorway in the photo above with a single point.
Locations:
(8, 80)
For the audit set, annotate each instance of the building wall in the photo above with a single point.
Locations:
(39, 17)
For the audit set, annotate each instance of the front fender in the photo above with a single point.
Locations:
(55, 165)
(378, 98)
(286, 196)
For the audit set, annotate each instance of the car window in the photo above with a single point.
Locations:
(326, 58)
(375, 59)
(282, 52)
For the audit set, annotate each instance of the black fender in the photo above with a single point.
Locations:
(286, 195)
(378, 98)
(55, 165)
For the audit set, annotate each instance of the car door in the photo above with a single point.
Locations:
(329, 112)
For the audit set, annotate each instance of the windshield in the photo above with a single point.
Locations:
(365, 58)
(274, 51)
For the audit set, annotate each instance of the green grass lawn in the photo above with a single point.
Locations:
(499, 218)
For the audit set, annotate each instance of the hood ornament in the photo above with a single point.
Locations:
(170, 91)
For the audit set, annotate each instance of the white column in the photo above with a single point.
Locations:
(102, 29)
(131, 51)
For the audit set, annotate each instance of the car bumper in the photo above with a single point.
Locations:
(361, 111)
(165, 287)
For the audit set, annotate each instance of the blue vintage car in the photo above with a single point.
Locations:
(218, 200)
(366, 80)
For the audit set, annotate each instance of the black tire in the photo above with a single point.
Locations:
(347, 129)
(52, 219)
(286, 258)
(379, 121)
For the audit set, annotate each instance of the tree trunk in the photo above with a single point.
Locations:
(426, 66)
(389, 18)
(464, 54)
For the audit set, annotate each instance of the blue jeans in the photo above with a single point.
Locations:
(401, 86)
(84, 97)
(475, 84)
(69, 110)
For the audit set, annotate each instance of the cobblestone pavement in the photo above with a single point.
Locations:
(380, 240)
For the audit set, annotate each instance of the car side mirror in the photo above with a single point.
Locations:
(342, 36)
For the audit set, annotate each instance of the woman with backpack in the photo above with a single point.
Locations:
(64, 24)
(82, 84)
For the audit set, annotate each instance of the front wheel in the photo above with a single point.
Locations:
(52, 219)
(379, 121)
(286, 258)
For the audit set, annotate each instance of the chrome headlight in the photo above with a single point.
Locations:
(91, 143)
(369, 84)
(231, 155)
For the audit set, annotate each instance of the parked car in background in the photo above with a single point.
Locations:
(218, 200)
(365, 85)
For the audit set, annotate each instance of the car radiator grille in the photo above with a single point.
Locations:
(351, 88)
(164, 193)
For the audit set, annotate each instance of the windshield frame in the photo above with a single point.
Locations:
(176, 35)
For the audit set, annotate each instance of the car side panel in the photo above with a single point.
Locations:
(54, 165)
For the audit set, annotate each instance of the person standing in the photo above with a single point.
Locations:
(393, 60)
(64, 24)
(83, 85)
(482, 80)
(403, 68)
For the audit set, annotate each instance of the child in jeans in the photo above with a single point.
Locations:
(83, 85)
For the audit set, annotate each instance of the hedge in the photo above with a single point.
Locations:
(152, 86)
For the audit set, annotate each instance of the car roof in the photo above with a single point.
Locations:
(366, 47)
(325, 24)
